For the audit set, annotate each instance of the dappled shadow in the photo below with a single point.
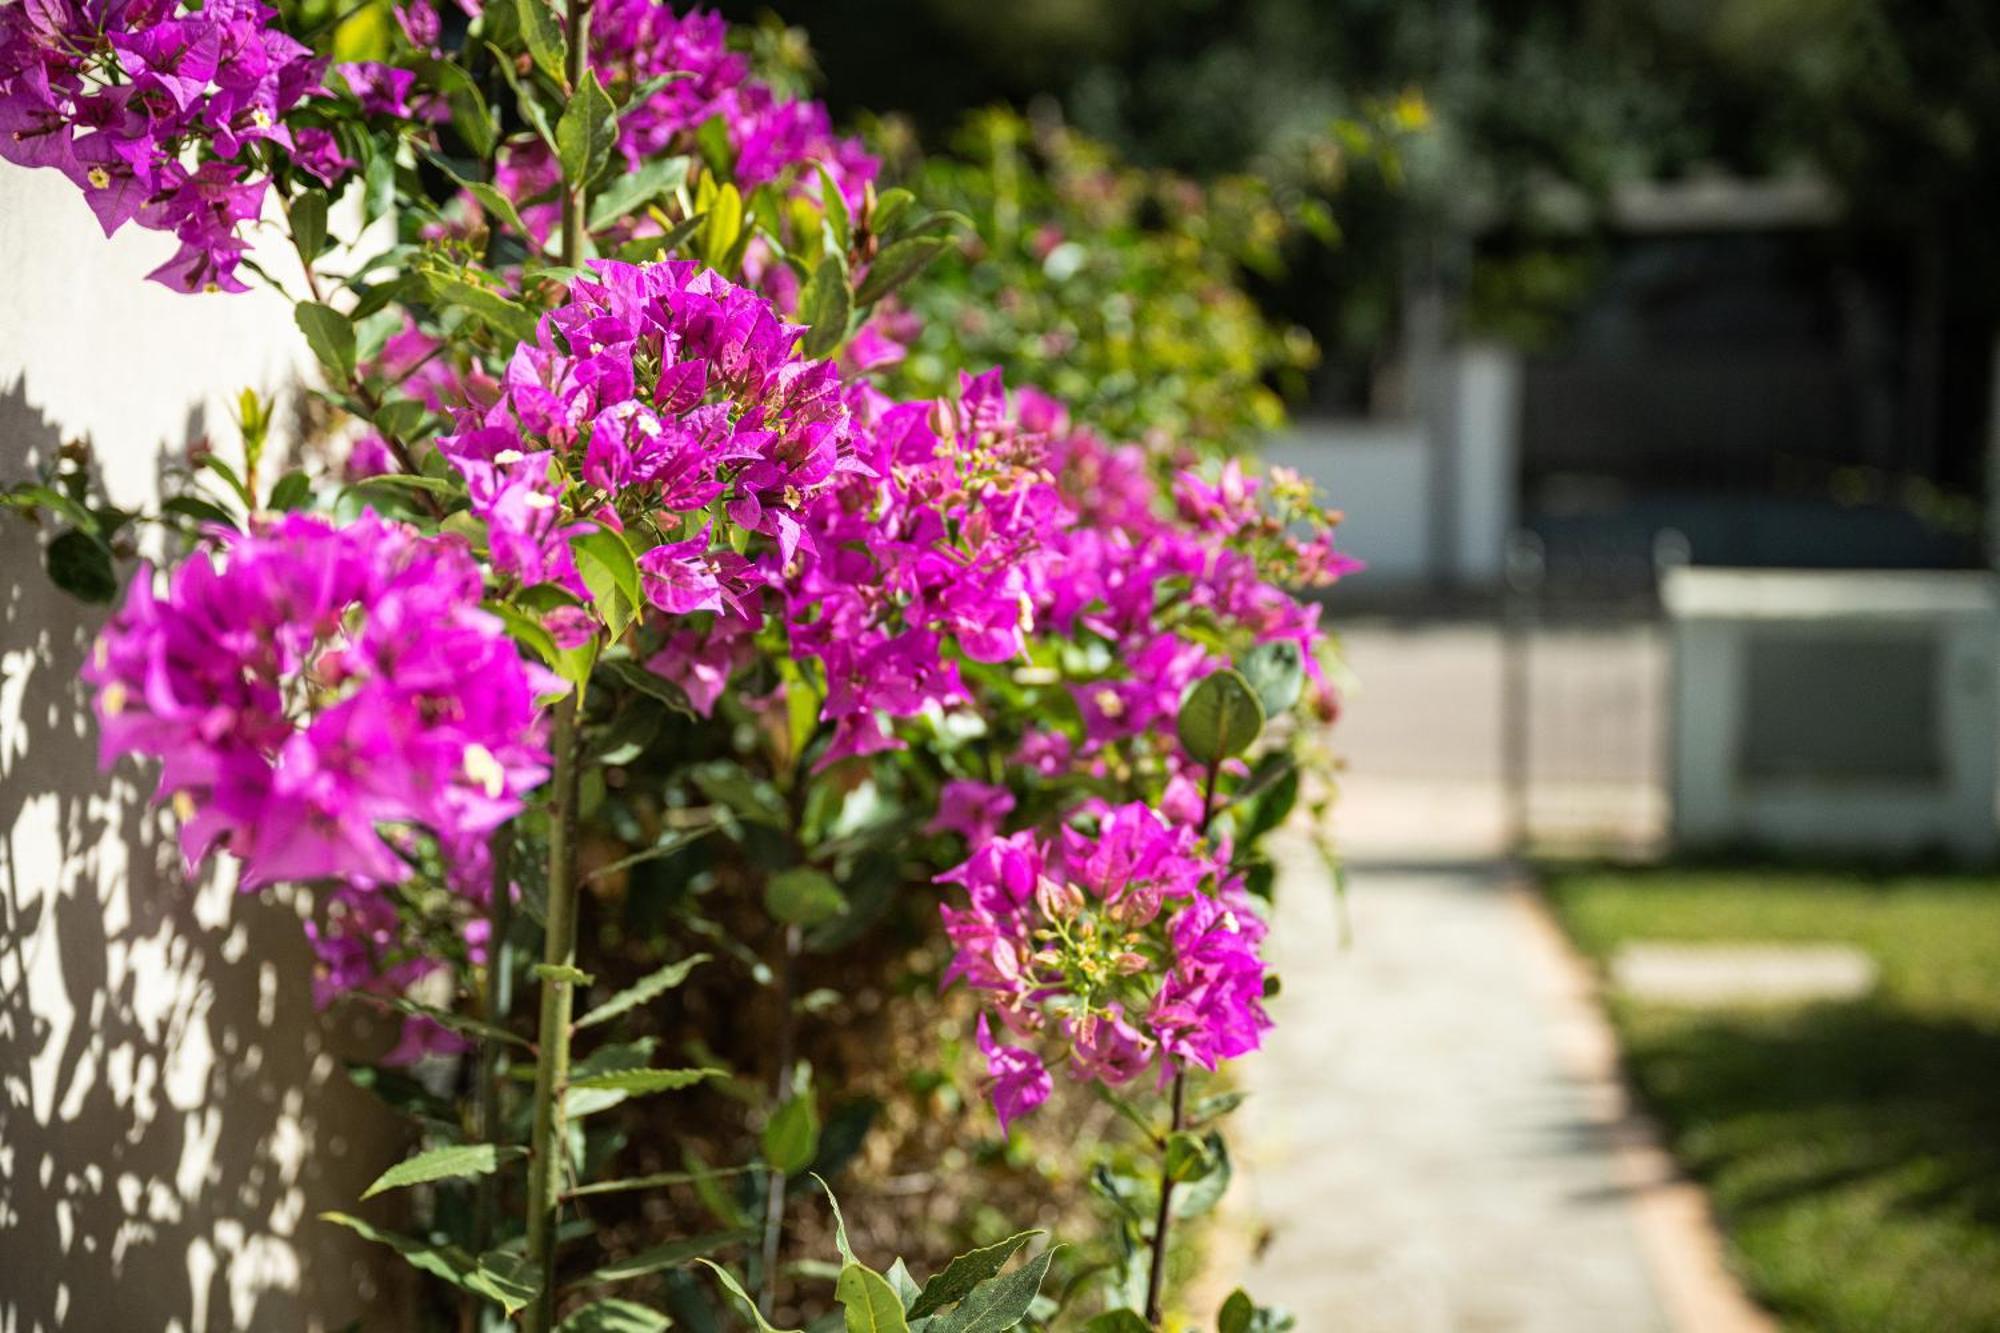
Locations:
(1862, 1095)
(171, 1121)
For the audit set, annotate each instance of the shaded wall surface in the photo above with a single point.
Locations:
(172, 1121)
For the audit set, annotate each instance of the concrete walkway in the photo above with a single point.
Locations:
(1438, 1141)
(1420, 1146)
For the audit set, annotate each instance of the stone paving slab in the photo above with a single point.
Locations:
(1423, 1158)
(1706, 975)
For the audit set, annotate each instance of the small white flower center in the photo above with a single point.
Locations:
(484, 769)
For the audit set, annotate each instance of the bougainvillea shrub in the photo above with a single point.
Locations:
(836, 741)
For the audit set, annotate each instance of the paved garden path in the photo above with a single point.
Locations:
(1420, 1145)
(1438, 1140)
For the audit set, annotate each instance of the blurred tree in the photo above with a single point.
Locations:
(1536, 110)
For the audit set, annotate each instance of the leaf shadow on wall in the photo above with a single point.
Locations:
(172, 1121)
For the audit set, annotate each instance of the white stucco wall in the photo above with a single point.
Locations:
(1398, 480)
(171, 1122)
(1378, 474)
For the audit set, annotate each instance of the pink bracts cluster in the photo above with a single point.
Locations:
(1129, 942)
(156, 112)
(666, 390)
(694, 79)
(308, 686)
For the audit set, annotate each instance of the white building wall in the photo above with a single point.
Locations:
(171, 1122)
(1399, 480)
(1378, 474)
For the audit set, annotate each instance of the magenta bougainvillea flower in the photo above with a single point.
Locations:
(306, 686)
(156, 111)
(1129, 941)
(694, 79)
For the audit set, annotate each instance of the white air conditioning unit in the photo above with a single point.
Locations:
(1839, 712)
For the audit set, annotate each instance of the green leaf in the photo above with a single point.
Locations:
(803, 896)
(508, 318)
(825, 305)
(671, 1255)
(1236, 1313)
(1216, 1105)
(791, 1135)
(636, 994)
(967, 1271)
(216, 464)
(833, 204)
(459, 1022)
(470, 118)
(1118, 1321)
(643, 1082)
(330, 336)
(499, 205)
(80, 565)
(839, 1223)
(611, 574)
(1276, 671)
(1272, 807)
(1187, 1159)
(1204, 1193)
(612, 1315)
(724, 225)
(717, 149)
(308, 217)
(405, 481)
(33, 496)
(634, 190)
(198, 509)
(292, 491)
(869, 1302)
(635, 676)
(670, 842)
(728, 784)
(449, 1163)
(896, 265)
(658, 1180)
(905, 1285)
(999, 1304)
(544, 37)
(889, 206)
(400, 419)
(585, 133)
(735, 1289)
(526, 630)
(489, 198)
(488, 1276)
(1220, 717)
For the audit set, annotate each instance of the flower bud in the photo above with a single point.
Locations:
(1059, 902)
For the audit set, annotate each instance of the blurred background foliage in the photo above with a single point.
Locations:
(1515, 120)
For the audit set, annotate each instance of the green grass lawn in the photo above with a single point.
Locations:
(1852, 1149)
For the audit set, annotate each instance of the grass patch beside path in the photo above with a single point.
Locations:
(1852, 1149)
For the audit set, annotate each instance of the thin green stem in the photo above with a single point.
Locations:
(1163, 1220)
(774, 1186)
(550, 1141)
(499, 1000)
(549, 1146)
(1156, 1277)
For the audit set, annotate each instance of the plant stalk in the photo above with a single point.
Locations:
(550, 1143)
(1156, 1279)
(499, 1002)
(1163, 1221)
(781, 1087)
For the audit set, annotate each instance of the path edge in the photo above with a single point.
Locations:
(1675, 1223)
